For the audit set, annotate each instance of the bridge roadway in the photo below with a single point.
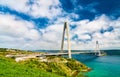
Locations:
(49, 54)
(65, 53)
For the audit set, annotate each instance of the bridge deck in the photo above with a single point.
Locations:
(65, 53)
(48, 54)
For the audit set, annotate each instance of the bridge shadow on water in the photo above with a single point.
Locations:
(84, 57)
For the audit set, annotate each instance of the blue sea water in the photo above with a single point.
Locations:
(105, 66)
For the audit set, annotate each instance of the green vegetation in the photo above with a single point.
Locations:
(54, 66)
(58, 65)
(75, 65)
(6, 51)
(9, 68)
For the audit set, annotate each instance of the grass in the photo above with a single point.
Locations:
(9, 68)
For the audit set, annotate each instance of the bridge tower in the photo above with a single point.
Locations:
(66, 29)
(97, 50)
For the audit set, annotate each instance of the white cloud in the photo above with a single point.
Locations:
(17, 28)
(16, 33)
(43, 8)
(19, 5)
(108, 39)
(22, 34)
(84, 37)
(39, 8)
(86, 26)
(52, 36)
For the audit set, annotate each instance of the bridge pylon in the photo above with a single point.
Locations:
(97, 49)
(66, 29)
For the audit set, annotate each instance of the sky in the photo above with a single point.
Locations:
(38, 24)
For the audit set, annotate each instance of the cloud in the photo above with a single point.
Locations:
(16, 32)
(36, 8)
(86, 29)
(20, 33)
(89, 7)
(52, 36)
(14, 5)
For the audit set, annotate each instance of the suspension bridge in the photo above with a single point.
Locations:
(97, 51)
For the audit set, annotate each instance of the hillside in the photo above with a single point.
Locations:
(55, 66)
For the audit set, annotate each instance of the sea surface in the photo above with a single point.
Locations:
(104, 66)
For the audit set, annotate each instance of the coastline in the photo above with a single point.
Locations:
(54, 64)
